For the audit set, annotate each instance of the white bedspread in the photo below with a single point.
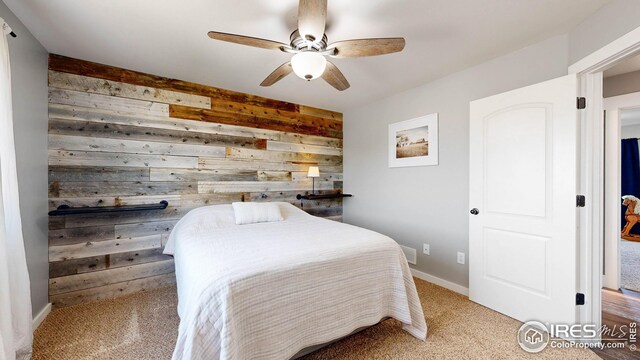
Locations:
(269, 290)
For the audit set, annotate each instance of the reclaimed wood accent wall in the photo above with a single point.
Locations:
(119, 137)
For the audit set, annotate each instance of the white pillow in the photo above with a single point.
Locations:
(252, 212)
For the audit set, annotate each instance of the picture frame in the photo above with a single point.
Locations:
(414, 142)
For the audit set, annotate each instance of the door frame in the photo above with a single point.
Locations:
(591, 164)
(613, 106)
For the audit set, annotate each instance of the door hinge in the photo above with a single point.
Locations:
(581, 200)
(579, 299)
(582, 103)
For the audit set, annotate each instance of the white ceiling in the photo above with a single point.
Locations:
(169, 38)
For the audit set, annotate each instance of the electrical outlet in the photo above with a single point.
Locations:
(460, 258)
(425, 249)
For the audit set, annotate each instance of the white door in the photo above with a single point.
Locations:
(522, 243)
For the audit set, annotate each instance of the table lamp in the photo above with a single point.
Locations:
(313, 173)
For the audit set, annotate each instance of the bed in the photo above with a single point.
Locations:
(271, 290)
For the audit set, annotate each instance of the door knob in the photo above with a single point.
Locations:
(474, 211)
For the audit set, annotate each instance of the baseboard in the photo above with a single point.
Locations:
(38, 319)
(440, 282)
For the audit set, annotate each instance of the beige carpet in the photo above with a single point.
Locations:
(145, 325)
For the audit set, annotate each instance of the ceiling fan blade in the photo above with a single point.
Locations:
(312, 18)
(278, 74)
(247, 40)
(334, 77)
(366, 47)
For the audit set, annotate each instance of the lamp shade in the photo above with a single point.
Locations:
(308, 65)
(314, 172)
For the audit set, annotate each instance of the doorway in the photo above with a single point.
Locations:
(621, 261)
(622, 187)
(628, 254)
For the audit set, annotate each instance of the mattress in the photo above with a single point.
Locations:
(269, 290)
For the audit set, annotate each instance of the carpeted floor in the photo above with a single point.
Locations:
(630, 265)
(144, 326)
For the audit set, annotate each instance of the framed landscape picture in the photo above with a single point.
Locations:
(414, 142)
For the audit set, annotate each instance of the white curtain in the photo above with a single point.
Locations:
(15, 294)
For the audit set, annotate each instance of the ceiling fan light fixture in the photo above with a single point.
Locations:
(310, 45)
(308, 65)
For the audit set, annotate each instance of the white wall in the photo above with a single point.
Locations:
(29, 89)
(629, 132)
(621, 84)
(630, 122)
(609, 23)
(430, 204)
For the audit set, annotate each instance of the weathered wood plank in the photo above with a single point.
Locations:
(56, 222)
(301, 148)
(129, 231)
(325, 212)
(183, 202)
(207, 187)
(274, 175)
(174, 201)
(288, 196)
(75, 251)
(97, 173)
(134, 217)
(111, 261)
(90, 129)
(85, 143)
(66, 112)
(77, 98)
(202, 175)
(327, 114)
(114, 88)
(111, 291)
(94, 279)
(195, 201)
(274, 114)
(282, 156)
(248, 164)
(337, 218)
(222, 117)
(111, 188)
(81, 67)
(81, 235)
(302, 175)
(320, 204)
(92, 158)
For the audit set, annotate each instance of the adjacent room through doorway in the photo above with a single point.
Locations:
(621, 281)
(621, 85)
(629, 258)
(630, 190)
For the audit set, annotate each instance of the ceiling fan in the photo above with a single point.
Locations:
(309, 45)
